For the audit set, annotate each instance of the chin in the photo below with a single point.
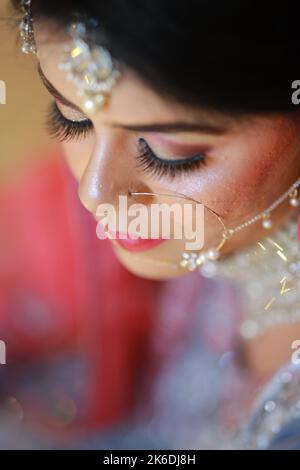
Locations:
(145, 267)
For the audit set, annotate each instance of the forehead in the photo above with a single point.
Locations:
(131, 99)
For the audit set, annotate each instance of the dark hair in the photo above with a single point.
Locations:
(232, 56)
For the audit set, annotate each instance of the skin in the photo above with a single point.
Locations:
(250, 161)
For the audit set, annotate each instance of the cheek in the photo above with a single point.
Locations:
(257, 169)
(77, 154)
(247, 172)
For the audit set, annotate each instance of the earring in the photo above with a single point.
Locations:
(26, 29)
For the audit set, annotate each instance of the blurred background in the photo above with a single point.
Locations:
(22, 118)
(74, 353)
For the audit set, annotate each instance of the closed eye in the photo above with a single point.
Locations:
(64, 129)
(149, 162)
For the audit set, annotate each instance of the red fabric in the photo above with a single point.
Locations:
(52, 263)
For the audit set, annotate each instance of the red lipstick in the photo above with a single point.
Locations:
(131, 243)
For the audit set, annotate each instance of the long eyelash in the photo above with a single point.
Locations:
(63, 129)
(151, 163)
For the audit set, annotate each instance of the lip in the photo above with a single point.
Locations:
(131, 243)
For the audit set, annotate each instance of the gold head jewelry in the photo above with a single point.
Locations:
(90, 68)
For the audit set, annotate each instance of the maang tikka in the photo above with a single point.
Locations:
(90, 67)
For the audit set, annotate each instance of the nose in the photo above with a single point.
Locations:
(110, 172)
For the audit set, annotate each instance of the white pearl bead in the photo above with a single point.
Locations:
(209, 269)
(201, 259)
(212, 254)
(270, 406)
(25, 49)
(294, 202)
(183, 263)
(89, 105)
(267, 224)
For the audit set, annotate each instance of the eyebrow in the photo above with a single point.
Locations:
(54, 92)
(171, 127)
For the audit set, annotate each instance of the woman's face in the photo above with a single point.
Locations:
(236, 167)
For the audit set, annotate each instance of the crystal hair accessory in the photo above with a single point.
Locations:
(26, 29)
(90, 68)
